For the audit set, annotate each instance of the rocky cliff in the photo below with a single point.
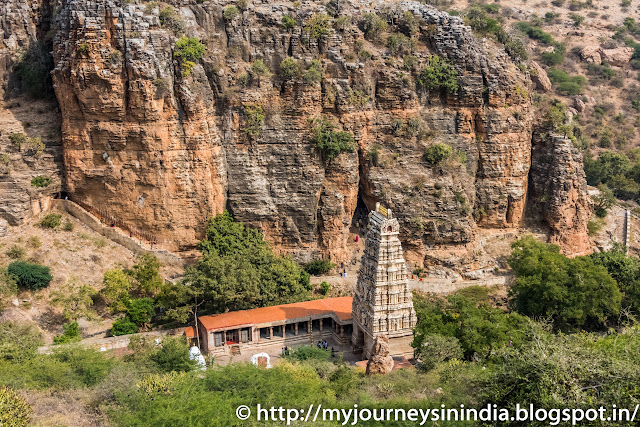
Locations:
(162, 146)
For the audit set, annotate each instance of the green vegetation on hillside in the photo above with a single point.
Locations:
(238, 270)
(328, 141)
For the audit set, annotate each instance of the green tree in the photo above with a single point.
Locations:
(328, 141)
(318, 26)
(146, 275)
(116, 289)
(603, 200)
(574, 293)
(173, 355)
(319, 267)
(71, 333)
(439, 74)
(30, 276)
(289, 69)
(141, 310)
(626, 272)
(123, 326)
(259, 69)
(230, 12)
(237, 271)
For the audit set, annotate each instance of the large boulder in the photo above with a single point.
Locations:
(380, 361)
(591, 54)
(618, 56)
(539, 77)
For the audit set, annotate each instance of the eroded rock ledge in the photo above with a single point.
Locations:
(163, 151)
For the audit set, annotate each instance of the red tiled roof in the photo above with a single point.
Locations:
(341, 307)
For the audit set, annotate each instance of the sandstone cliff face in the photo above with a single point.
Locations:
(162, 151)
(559, 192)
(22, 25)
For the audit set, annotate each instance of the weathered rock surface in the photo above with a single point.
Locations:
(539, 77)
(559, 192)
(162, 151)
(618, 56)
(166, 161)
(380, 361)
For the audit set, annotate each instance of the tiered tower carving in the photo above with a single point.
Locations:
(383, 304)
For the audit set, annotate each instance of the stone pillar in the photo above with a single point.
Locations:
(341, 331)
(320, 325)
(271, 332)
(296, 328)
(224, 338)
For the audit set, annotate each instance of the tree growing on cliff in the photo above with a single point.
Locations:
(439, 74)
(188, 51)
(237, 271)
(254, 119)
(30, 276)
(318, 26)
(328, 141)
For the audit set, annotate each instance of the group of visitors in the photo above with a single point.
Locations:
(322, 344)
(285, 351)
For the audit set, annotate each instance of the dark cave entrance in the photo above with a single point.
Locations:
(360, 216)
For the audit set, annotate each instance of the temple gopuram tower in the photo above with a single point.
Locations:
(383, 304)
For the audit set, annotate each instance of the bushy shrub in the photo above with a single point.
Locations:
(306, 352)
(51, 221)
(437, 153)
(17, 139)
(373, 26)
(41, 181)
(123, 326)
(230, 12)
(188, 51)
(254, 119)
(16, 252)
(328, 141)
(259, 69)
(536, 33)
(439, 74)
(18, 341)
(30, 276)
(288, 22)
(14, 410)
(34, 70)
(68, 225)
(171, 19)
(313, 74)
(8, 285)
(566, 84)
(289, 69)
(437, 349)
(71, 333)
(141, 310)
(5, 163)
(324, 288)
(318, 26)
(319, 267)
(173, 355)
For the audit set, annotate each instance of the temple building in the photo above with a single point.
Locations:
(382, 305)
(284, 325)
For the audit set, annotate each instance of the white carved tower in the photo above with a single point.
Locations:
(383, 304)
